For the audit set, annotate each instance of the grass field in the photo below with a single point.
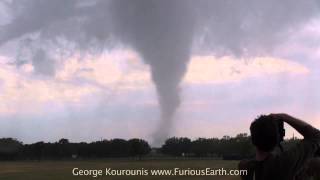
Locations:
(60, 170)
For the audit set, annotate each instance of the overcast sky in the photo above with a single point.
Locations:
(70, 74)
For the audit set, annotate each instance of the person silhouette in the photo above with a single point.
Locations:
(296, 163)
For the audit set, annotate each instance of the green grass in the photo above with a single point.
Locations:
(60, 170)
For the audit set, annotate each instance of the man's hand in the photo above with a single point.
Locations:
(297, 124)
(281, 116)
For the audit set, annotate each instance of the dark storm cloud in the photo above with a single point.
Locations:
(163, 32)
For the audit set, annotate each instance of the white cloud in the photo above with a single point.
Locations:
(208, 69)
(73, 82)
(120, 71)
(120, 66)
(76, 94)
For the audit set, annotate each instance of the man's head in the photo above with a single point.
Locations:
(265, 133)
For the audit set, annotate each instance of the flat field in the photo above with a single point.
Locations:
(61, 170)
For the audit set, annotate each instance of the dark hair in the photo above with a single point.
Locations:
(265, 133)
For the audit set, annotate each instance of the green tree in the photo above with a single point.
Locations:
(9, 148)
(138, 147)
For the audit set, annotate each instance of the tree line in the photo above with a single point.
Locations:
(12, 149)
(227, 147)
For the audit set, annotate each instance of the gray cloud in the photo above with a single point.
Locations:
(112, 118)
(163, 32)
(43, 64)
